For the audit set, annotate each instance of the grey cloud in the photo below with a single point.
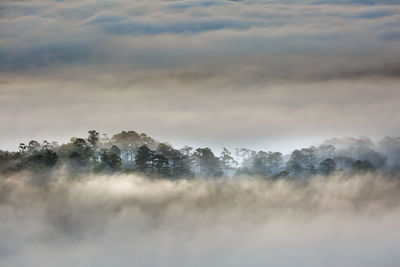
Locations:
(386, 70)
(128, 220)
(117, 25)
(196, 35)
(390, 36)
(191, 4)
(171, 72)
(44, 55)
(357, 2)
(368, 14)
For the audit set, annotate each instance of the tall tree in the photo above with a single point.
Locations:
(209, 165)
(143, 159)
(161, 165)
(93, 139)
(227, 161)
(180, 164)
(111, 159)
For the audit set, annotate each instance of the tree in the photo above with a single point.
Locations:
(208, 164)
(180, 164)
(327, 166)
(266, 163)
(128, 142)
(227, 161)
(244, 153)
(93, 139)
(274, 163)
(43, 159)
(259, 164)
(186, 150)
(33, 146)
(362, 166)
(143, 159)
(161, 165)
(111, 159)
(78, 154)
(10, 161)
(22, 147)
(302, 162)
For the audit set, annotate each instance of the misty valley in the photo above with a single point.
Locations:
(199, 133)
(130, 200)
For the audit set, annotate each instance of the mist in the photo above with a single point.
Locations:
(130, 220)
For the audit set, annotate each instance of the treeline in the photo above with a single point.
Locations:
(133, 152)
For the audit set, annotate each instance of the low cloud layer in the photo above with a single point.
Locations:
(129, 220)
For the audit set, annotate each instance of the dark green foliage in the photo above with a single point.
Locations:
(301, 163)
(36, 157)
(160, 165)
(111, 159)
(282, 174)
(343, 162)
(78, 155)
(180, 164)
(10, 162)
(362, 166)
(143, 159)
(327, 167)
(266, 164)
(93, 138)
(129, 143)
(45, 158)
(294, 168)
(209, 165)
(165, 161)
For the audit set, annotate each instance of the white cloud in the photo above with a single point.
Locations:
(126, 220)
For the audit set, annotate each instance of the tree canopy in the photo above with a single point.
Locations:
(129, 151)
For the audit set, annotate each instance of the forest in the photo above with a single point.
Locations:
(130, 152)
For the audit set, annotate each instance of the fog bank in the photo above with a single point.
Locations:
(128, 220)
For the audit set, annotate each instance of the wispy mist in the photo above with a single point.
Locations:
(128, 220)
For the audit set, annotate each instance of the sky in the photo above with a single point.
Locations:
(270, 75)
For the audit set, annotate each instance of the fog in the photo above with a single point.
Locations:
(128, 220)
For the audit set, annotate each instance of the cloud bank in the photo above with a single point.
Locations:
(190, 71)
(129, 220)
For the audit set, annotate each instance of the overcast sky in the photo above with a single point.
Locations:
(271, 75)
